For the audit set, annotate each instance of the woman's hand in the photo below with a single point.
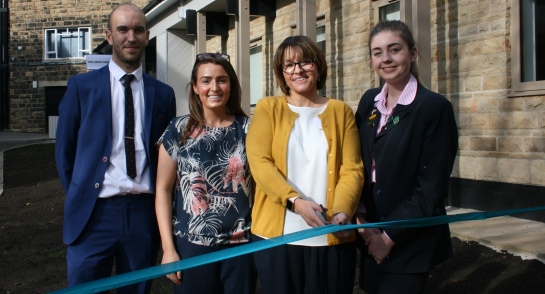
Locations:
(307, 210)
(380, 247)
(341, 218)
(168, 257)
(366, 233)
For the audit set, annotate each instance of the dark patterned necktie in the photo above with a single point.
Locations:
(130, 154)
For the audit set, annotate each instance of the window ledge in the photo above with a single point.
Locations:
(516, 94)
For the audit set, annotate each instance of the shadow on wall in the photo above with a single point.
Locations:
(448, 81)
(336, 48)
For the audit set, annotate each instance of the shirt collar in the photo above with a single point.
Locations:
(117, 72)
(406, 97)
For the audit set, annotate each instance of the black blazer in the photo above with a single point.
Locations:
(414, 156)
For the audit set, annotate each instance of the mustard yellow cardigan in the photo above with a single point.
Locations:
(266, 147)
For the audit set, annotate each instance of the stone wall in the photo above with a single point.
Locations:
(28, 21)
(347, 28)
(501, 137)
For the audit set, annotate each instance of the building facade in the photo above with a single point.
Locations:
(47, 45)
(486, 56)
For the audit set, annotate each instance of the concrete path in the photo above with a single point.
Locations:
(10, 140)
(518, 236)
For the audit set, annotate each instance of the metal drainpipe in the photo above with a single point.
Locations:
(4, 65)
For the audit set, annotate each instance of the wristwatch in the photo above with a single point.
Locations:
(290, 205)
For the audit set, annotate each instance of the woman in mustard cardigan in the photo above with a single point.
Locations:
(304, 154)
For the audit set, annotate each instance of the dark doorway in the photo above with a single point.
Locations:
(53, 96)
(150, 65)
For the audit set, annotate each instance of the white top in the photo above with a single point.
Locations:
(307, 167)
(116, 180)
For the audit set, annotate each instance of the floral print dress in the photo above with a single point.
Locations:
(213, 192)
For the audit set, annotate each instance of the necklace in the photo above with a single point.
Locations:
(301, 103)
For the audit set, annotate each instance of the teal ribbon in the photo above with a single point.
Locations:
(162, 270)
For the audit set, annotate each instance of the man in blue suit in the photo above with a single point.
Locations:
(107, 172)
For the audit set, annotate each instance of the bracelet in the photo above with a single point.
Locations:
(290, 205)
(293, 206)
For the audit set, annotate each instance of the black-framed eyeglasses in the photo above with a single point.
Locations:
(289, 66)
(205, 56)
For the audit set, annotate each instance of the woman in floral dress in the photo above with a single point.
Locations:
(203, 156)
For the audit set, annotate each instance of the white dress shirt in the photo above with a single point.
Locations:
(116, 180)
(307, 168)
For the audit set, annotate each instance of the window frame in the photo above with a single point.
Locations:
(254, 44)
(383, 3)
(54, 32)
(519, 88)
(320, 23)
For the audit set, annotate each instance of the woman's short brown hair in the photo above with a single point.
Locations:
(309, 49)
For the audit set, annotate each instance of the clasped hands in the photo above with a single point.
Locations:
(310, 212)
(379, 245)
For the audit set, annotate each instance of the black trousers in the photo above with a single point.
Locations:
(303, 269)
(374, 281)
(233, 275)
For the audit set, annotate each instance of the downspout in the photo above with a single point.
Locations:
(4, 65)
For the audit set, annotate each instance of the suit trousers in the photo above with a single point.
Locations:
(121, 229)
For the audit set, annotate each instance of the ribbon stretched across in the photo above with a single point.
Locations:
(161, 270)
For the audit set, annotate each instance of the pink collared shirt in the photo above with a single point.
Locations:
(407, 97)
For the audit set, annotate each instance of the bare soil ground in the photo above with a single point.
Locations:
(32, 255)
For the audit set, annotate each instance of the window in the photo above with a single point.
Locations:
(67, 43)
(387, 10)
(256, 74)
(391, 11)
(528, 45)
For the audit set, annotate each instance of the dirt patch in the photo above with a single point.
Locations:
(32, 255)
(478, 269)
(29, 165)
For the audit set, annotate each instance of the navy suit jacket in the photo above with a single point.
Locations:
(84, 140)
(414, 156)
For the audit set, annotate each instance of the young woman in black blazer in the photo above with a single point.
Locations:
(409, 141)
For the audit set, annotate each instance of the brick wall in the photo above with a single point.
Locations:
(28, 20)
